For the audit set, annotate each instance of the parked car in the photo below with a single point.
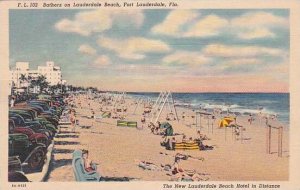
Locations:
(33, 137)
(32, 156)
(28, 118)
(36, 127)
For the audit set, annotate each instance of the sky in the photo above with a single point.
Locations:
(203, 50)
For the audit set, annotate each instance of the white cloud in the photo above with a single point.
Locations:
(259, 19)
(251, 25)
(174, 21)
(256, 33)
(101, 61)
(95, 21)
(134, 47)
(255, 25)
(185, 58)
(210, 25)
(220, 50)
(243, 62)
(87, 49)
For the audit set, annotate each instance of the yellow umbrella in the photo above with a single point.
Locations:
(226, 121)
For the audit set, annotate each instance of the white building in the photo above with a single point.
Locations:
(52, 73)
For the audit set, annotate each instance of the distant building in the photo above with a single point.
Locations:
(52, 73)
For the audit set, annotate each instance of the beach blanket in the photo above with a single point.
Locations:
(187, 146)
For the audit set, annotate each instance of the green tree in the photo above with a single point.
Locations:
(40, 82)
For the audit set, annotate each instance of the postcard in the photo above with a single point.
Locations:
(150, 94)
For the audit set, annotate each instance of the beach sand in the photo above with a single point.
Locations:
(115, 149)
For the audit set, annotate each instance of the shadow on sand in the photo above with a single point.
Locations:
(65, 143)
(63, 151)
(67, 136)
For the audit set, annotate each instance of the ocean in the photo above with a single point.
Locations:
(243, 103)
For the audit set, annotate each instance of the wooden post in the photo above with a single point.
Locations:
(232, 133)
(280, 131)
(196, 120)
(212, 125)
(242, 134)
(270, 138)
(137, 105)
(225, 132)
(174, 106)
(157, 105)
(207, 124)
(200, 120)
(162, 107)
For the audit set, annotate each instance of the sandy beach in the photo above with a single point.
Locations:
(116, 149)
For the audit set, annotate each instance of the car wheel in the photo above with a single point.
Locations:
(36, 160)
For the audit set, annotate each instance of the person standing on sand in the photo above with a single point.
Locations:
(73, 120)
(172, 143)
(143, 119)
(183, 116)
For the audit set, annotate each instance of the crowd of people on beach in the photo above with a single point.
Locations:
(118, 107)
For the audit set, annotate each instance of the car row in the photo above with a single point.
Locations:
(32, 126)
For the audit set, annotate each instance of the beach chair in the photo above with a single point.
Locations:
(78, 168)
(121, 123)
(106, 115)
(132, 124)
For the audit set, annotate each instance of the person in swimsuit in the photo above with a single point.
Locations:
(180, 173)
(73, 119)
(88, 164)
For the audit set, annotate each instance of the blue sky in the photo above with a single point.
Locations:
(154, 50)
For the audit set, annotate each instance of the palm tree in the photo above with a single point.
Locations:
(40, 82)
(22, 78)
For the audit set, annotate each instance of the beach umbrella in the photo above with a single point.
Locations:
(226, 121)
(168, 128)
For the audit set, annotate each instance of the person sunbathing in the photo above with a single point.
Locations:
(202, 136)
(181, 174)
(146, 165)
(88, 164)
